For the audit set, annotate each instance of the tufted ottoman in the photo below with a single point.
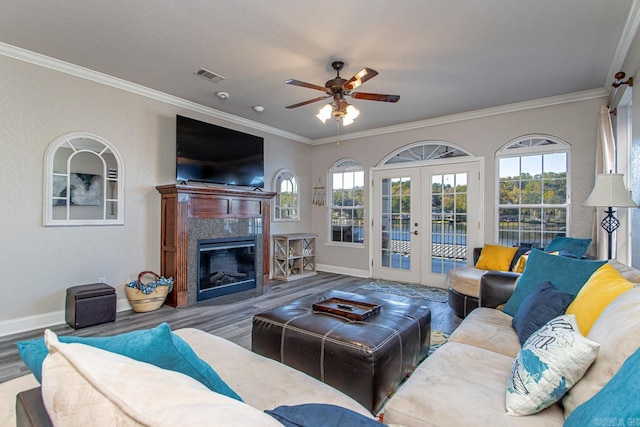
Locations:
(366, 360)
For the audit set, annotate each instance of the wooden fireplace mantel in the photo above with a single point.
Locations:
(183, 202)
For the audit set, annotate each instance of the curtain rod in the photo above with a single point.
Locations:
(618, 87)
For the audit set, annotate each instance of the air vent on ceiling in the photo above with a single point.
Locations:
(209, 75)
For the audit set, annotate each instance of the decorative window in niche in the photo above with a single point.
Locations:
(286, 205)
(84, 177)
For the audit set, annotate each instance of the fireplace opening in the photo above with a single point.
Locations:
(226, 266)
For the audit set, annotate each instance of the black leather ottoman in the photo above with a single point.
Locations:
(364, 359)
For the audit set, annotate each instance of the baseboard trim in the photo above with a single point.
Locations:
(343, 270)
(45, 320)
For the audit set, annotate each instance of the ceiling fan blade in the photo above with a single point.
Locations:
(295, 82)
(359, 78)
(375, 97)
(300, 104)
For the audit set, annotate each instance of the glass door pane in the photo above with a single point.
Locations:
(395, 251)
(448, 221)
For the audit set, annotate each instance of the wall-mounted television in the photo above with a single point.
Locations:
(214, 154)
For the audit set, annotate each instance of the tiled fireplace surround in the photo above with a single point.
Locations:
(217, 228)
(191, 213)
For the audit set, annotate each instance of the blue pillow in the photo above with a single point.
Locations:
(566, 274)
(320, 414)
(157, 346)
(577, 247)
(539, 307)
(617, 400)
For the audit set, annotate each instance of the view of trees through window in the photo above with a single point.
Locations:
(347, 203)
(448, 221)
(532, 206)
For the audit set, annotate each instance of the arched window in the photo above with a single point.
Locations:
(424, 151)
(533, 191)
(286, 204)
(346, 209)
(84, 182)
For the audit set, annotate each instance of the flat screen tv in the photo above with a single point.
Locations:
(213, 154)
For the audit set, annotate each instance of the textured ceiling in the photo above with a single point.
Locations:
(441, 56)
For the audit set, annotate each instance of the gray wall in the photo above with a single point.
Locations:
(573, 122)
(38, 263)
(40, 104)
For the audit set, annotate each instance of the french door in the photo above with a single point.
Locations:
(426, 220)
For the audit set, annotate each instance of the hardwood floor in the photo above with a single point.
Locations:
(229, 317)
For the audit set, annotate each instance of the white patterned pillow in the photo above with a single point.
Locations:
(549, 363)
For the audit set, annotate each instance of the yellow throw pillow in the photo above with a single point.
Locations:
(605, 285)
(496, 257)
(522, 261)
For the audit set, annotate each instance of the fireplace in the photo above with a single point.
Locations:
(191, 214)
(226, 266)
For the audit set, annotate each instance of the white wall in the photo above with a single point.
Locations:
(573, 122)
(38, 263)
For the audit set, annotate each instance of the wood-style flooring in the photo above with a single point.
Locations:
(229, 317)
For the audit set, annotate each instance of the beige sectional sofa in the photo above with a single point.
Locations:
(115, 390)
(464, 382)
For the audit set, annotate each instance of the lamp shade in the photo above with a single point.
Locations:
(610, 191)
(325, 113)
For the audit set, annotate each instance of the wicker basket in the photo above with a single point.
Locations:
(143, 302)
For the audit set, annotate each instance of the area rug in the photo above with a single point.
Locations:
(408, 290)
(438, 338)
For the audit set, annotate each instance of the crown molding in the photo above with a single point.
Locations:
(85, 73)
(624, 44)
(470, 115)
(95, 76)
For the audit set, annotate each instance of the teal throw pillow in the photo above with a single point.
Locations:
(575, 246)
(566, 274)
(157, 346)
(618, 400)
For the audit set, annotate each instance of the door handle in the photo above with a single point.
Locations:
(415, 232)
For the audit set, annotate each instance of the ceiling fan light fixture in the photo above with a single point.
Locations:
(337, 88)
(343, 110)
(325, 112)
(352, 113)
(349, 115)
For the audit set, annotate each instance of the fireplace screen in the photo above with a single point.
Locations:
(226, 266)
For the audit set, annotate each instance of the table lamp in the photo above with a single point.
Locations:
(610, 191)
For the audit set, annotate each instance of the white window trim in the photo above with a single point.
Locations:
(416, 162)
(329, 235)
(561, 146)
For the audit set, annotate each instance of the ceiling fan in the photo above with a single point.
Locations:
(338, 88)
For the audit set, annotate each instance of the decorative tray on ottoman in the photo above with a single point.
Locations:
(347, 308)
